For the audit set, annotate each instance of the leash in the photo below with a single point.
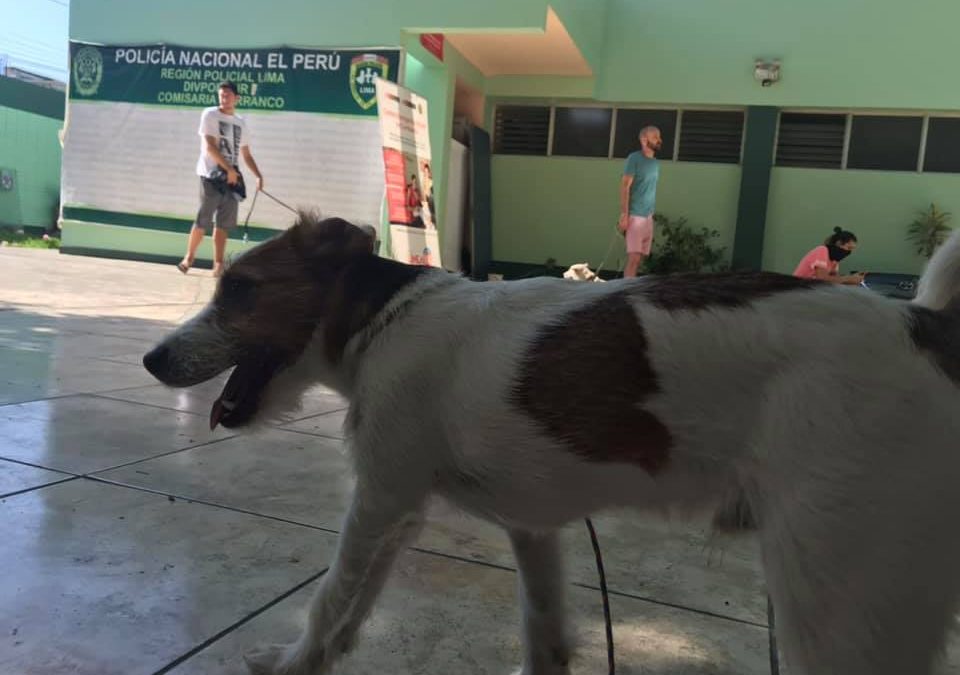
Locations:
(613, 240)
(772, 631)
(283, 204)
(608, 624)
(603, 592)
(771, 615)
(246, 221)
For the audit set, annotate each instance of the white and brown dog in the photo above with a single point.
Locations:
(834, 412)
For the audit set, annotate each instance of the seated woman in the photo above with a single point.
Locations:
(823, 262)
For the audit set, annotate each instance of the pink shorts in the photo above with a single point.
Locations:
(639, 234)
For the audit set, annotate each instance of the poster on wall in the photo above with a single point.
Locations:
(411, 210)
(131, 142)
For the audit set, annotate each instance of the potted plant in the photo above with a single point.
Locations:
(928, 230)
(678, 247)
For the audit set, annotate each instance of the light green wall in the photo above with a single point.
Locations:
(528, 86)
(586, 22)
(852, 54)
(566, 208)
(302, 23)
(856, 54)
(457, 65)
(859, 53)
(806, 204)
(29, 145)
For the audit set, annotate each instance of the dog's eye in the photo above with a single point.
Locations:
(238, 285)
(237, 291)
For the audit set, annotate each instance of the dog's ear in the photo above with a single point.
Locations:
(328, 240)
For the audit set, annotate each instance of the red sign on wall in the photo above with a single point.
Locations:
(433, 43)
(397, 211)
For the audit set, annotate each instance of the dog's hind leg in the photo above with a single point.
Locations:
(375, 530)
(839, 611)
(546, 644)
(856, 534)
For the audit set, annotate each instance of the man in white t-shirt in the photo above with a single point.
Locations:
(224, 137)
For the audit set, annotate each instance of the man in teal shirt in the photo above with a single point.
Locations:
(638, 194)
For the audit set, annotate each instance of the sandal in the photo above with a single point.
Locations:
(184, 266)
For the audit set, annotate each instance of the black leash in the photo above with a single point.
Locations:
(283, 204)
(774, 651)
(603, 592)
(246, 221)
(771, 615)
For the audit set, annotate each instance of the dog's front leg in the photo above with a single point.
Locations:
(375, 530)
(546, 644)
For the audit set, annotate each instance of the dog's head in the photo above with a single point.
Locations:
(266, 309)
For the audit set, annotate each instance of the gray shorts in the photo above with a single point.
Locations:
(223, 204)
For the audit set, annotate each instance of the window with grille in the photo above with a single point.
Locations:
(582, 132)
(811, 140)
(711, 136)
(885, 142)
(521, 130)
(943, 145)
(629, 123)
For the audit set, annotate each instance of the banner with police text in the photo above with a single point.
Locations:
(131, 142)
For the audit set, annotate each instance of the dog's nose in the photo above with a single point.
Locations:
(157, 360)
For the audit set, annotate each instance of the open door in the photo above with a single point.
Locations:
(480, 204)
(457, 240)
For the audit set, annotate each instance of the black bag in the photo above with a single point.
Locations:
(219, 180)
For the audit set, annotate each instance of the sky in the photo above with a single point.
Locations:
(33, 35)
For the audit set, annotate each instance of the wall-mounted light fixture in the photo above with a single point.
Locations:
(766, 72)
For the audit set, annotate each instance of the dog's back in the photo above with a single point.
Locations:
(832, 410)
(829, 412)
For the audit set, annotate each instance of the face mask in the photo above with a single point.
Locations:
(836, 253)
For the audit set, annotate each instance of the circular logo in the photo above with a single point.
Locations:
(87, 70)
(6, 180)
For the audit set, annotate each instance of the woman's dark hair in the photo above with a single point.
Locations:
(840, 236)
(229, 86)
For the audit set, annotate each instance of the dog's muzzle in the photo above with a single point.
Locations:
(241, 395)
(157, 361)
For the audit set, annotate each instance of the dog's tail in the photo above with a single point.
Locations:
(940, 283)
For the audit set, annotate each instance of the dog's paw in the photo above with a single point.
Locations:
(265, 660)
(280, 660)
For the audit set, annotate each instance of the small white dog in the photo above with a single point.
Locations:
(832, 411)
(581, 272)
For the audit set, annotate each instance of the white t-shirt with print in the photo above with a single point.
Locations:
(232, 134)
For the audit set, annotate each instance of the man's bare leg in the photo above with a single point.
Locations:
(219, 249)
(634, 260)
(193, 243)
